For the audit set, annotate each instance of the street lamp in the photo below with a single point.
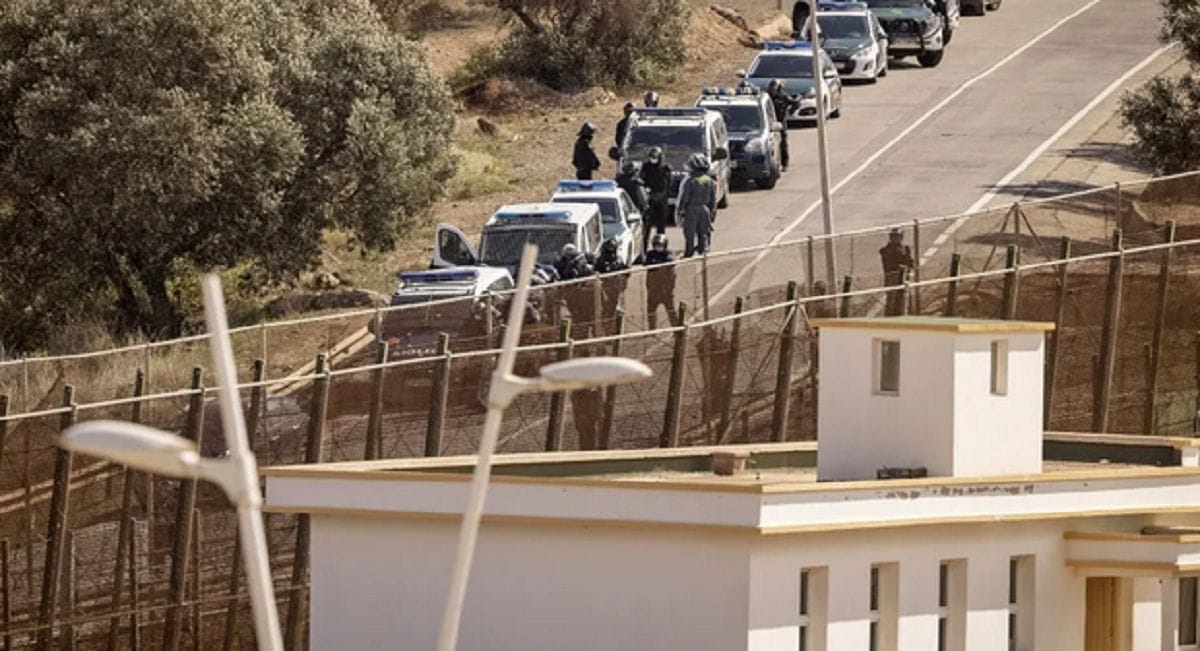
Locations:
(155, 451)
(571, 375)
(822, 146)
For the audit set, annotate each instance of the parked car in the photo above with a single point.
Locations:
(915, 27)
(681, 132)
(852, 36)
(754, 132)
(550, 226)
(791, 63)
(620, 219)
(414, 332)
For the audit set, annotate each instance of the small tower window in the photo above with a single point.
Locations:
(887, 367)
(1000, 368)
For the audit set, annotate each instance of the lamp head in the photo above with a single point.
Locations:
(592, 372)
(137, 446)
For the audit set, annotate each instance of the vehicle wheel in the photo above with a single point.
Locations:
(771, 181)
(930, 59)
(883, 70)
(947, 34)
(837, 111)
(996, 5)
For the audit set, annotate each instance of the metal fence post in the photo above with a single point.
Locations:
(558, 409)
(1056, 340)
(916, 271)
(374, 444)
(847, 285)
(123, 526)
(231, 611)
(6, 592)
(671, 418)
(1012, 283)
(1160, 330)
(810, 278)
(439, 398)
(197, 614)
(610, 393)
(952, 286)
(258, 392)
(1109, 337)
(783, 375)
(135, 633)
(185, 507)
(60, 502)
(735, 344)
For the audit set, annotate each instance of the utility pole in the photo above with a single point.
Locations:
(822, 147)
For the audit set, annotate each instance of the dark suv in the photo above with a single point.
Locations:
(919, 28)
(754, 132)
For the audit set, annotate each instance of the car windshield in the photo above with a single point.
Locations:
(609, 211)
(782, 66)
(503, 247)
(889, 4)
(844, 26)
(678, 143)
(741, 119)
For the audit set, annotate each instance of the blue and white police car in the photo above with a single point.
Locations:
(852, 36)
(550, 226)
(458, 302)
(754, 132)
(791, 63)
(620, 218)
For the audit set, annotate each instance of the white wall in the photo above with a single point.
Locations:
(861, 432)
(380, 583)
(998, 435)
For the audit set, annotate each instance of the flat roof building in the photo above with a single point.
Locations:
(1005, 538)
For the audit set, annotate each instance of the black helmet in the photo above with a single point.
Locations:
(651, 99)
(896, 235)
(629, 108)
(587, 130)
(609, 247)
(698, 163)
(629, 166)
(774, 85)
(654, 155)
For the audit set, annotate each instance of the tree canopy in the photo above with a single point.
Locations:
(145, 139)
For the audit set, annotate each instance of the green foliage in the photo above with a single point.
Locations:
(1164, 114)
(571, 44)
(141, 140)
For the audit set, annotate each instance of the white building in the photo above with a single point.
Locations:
(995, 549)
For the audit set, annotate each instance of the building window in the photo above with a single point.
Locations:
(883, 612)
(812, 609)
(887, 367)
(952, 606)
(999, 368)
(1020, 603)
(1187, 612)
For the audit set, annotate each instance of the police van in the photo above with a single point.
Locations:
(680, 133)
(620, 218)
(482, 295)
(754, 132)
(550, 226)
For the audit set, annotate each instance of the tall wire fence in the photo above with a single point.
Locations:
(95, 556)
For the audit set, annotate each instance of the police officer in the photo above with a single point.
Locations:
(656, 175)
(660, 280)
(630, 180)
(650, 99)
(572, 264)
(897, 259)
(585, 160)
(609, 262)
(696, 208)
(784, 106)
(623, 126)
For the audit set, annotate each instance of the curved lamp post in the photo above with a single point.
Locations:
(571, 375)
(162, 453)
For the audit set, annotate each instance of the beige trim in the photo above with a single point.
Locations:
(716, 485)
(1131, 440)
(934, 482)
(934, 325)
(1120, 565)
(1104, 536)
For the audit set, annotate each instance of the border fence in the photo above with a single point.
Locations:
(95, 556)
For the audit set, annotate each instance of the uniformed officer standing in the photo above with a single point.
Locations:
(696, 209)
(656, 174)
(897, 259)
(585, 160)
(660, 280)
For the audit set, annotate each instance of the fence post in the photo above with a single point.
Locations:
(197, 615)
(905, 291)
(257, 398)
(1060, 311)
(186, 505)
(6, 589)
(671, 418)
(440, 390)
(1108, 346)
(114, 626)
(783, 375)
(610, 393)
(847, 285)
(735, 345)
(135, 633)
(1012, 283)
(231, 610)
(952, 289)
(554, 427)
(1160, 329)
(314, 450)
(916, 272)
(374, 446)
(70, 592)
(60, 503)
(810, 279)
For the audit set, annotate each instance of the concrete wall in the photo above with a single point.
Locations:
(381, 584)
(998, 434)
(860, 431)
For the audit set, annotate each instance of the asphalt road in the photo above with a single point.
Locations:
(1017, 96)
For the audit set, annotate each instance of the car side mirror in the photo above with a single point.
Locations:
(777, 126)
(635, 217)
(720, 153)
(615, 153)
(740, 74)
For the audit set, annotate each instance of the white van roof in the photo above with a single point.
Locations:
(543, 213)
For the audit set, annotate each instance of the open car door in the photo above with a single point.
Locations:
(451, 248)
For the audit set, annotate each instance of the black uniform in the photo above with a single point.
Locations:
(622, 129)
(657, 178)
(784, 105)
(897, 260)
(633, 185)
(660, 286)
(585, 160)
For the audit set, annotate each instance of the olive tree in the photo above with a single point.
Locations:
(144, 139)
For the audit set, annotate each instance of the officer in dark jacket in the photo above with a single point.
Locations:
(897, 259)
(585, 160)
(784, 105)
(609, 262)
(572, 264)
(623, 126)
(656, 174)
(660, 280)
(630, 180)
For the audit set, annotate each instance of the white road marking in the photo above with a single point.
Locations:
(991, 195)
(916, 124)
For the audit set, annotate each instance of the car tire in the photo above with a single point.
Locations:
(771, 181)
(837, 111)
(930, 59)
(947, 34)
(996, 5)
(883, 70)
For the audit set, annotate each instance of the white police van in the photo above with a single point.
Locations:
(620, 218)
(550, 226)
(413, 332)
